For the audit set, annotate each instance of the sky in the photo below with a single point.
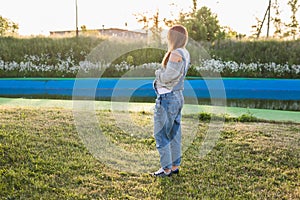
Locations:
(39, 17)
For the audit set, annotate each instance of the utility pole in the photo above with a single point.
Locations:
(77, 32)
(268, 12)
(269, 18)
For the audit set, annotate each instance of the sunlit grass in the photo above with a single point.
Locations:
(43, 157)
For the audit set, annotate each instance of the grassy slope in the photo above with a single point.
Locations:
(274, 115)
(42, 156)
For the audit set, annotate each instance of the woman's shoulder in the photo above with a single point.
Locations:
(183, 52)
(175, 56)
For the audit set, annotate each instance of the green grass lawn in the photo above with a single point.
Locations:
(273, 115)
(43, 157)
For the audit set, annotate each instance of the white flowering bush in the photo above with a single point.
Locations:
(37, 66)
(234, 69)
(68, 68)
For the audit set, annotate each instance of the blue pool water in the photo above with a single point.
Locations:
(241, 89)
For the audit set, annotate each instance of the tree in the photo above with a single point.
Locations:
(256, 29)
(231, 34)
(279, 25)
(7, 27)
(260, 24)
(156, 29)
(83, 28)
(194, 6)
(202, 25)
(293, 26)
(277, 20)
(152, 24)
(143, 18)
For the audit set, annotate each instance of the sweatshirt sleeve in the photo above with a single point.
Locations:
(172, 72)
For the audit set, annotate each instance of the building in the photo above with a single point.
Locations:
(110, 32)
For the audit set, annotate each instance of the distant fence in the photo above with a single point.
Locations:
(282, 94)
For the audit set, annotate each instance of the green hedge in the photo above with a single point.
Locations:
(263, 51)
(15, 49)
(43, 51)
(141, 56)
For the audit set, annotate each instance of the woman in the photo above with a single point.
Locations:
(168, 86)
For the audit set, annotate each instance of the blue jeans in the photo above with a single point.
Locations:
(167, 128)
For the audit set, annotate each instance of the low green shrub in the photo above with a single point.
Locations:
(63, 57)
(263, 51)
(50, 49)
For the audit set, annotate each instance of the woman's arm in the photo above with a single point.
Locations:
(173, 68)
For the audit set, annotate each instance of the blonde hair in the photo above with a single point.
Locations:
(177, 38)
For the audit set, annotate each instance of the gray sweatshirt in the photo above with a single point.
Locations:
(169, 76)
